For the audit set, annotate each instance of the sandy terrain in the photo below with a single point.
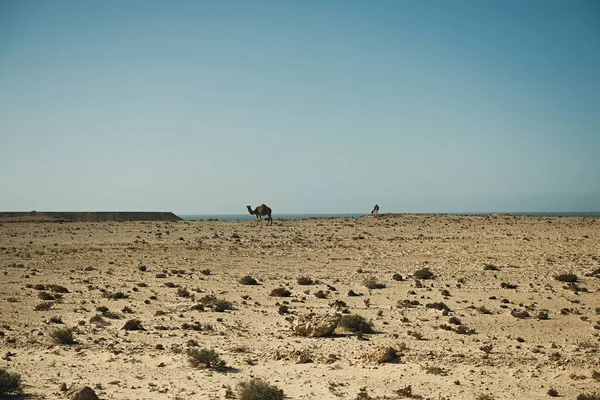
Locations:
(488, 272)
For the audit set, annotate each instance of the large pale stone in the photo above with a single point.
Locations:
(313, 325)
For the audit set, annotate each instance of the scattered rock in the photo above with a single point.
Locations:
(84, 393)
(313, 325)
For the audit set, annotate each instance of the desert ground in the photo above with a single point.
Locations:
(462, 307)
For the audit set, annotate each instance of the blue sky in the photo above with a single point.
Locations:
(308, 106)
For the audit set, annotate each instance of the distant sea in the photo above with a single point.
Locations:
(248, 217)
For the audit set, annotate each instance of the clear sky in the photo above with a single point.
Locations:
(307, 106)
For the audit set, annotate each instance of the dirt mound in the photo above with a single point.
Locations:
(52, 216)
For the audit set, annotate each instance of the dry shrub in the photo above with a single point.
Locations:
(463, 330)
(590, 396)
(356, 324)
(217, 305)
(566, 277)
(417, 335)
(280, 292)
(424, 273)
(133, 325)
(406, 393)
(438, 306)
(44, 306)
(490, 267)
(62, 336)
(115, 295)
(205, 358)
(10, 383)
(371, 283)
(519, 314)
(435, 370)
(49, 296)
(58, 288)
(258, 389)
(248, 280)
(305, 280)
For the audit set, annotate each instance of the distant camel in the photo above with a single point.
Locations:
(375, 209)
(260, 212)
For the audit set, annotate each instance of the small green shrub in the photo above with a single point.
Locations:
(205, 358)
(356, 323)
(10, 383)
(257, 389)
(62, 336)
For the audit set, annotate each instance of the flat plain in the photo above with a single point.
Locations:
(458, 307)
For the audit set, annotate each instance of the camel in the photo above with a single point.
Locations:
(375, 209)
(261, 211)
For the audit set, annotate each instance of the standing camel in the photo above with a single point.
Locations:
(260, 212)
(375, 209)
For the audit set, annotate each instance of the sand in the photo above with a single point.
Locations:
(488, 271)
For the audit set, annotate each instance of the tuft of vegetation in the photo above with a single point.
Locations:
(58, 289)
(590, 396)
(215, 304)
(248, 280)
(62, 336)
(463, 330)
(520, 314)
(438, 306)
(356, 324)
(424, 273)
(44, 306)
(49, 296)
(115, 296)
(205, 358)
(10, 383)
(280, 292)
(506, 285)
(305, 280)
(417, 335)
(372, 283)
(133, 325)
(566, 277)
(406, 393)
(490, 267)
(258, 389)
(283, 309)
